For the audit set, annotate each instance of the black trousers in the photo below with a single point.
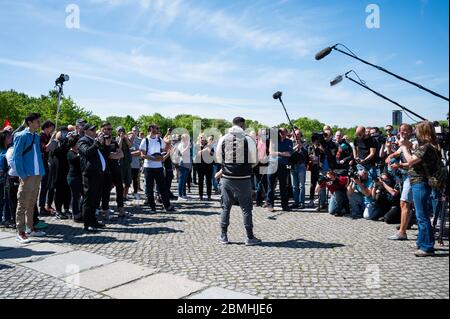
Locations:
(46, 194)
(153, 175)
(113, 178)
(12, 190)
(135, 178)
(168, 178)
(282, 176)
(205, 171)
(92, 189)
(62, 195)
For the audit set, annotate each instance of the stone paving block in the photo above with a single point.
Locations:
(10, 242)
(158, 286)
(221, 293)
(32, 252)
(109, 276)
(6, 234)
(67, 264)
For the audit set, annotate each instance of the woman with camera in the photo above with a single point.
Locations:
(422, 161)
(204, 162)
(74, 176)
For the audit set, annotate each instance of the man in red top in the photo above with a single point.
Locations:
(337, 186)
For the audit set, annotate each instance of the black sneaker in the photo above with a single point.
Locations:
(89, 229)
(61, 215)
(287, 209)
(253, 241)
(171, 208)
(295, 206)
(98, 225)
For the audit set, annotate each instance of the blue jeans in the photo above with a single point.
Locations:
(372, 212)
(357, 205)
(184, 172)
(338, 202)
(421, 195)
(215, 183)
(298, 174)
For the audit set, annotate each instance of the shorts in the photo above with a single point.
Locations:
(406, 192)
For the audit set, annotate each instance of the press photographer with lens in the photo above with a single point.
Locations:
(387, 198)
(344, 154)
(364, 151)
(298, 163)
(58, 170)
(360, 193)
(93, 151)
(316, 159)
(337, 186)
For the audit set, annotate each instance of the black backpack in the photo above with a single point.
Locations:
(147, 142)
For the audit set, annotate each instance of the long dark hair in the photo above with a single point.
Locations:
(4, 134)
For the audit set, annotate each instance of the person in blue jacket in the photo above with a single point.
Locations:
(27, 160)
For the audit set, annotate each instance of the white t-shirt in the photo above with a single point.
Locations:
(36, 161)
(186, 157)
(155, 145)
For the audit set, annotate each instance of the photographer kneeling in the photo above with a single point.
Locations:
(387, 198)
(337, 186)
(360, 195)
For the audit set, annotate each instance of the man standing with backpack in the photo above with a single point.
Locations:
(236, 151)
(152, 148)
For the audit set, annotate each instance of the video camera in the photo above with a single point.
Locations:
(441, 135)
(319, 137)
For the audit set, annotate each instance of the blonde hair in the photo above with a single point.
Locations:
(199, 139)
(185, 138)
(425, 132)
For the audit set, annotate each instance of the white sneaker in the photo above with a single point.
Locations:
(36, 233)
(22, 238)
(182, 199)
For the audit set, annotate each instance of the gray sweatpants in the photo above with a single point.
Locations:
(236, 190)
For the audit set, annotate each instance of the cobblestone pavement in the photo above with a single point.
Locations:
(303, 255)
(24, 283)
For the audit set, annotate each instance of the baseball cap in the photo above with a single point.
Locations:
(90, 127)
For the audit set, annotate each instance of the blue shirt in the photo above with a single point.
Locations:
(284, 146)
(25, 163)
(368, 184)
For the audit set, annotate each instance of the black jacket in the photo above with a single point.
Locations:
(90, 159)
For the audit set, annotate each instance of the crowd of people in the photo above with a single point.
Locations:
(70, 172)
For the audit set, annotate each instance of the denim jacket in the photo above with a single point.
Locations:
(24, 163)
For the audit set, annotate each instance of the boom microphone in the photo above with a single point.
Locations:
(323, 53)
(277, 95)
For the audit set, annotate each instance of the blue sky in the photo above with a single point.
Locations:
(225, 58)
